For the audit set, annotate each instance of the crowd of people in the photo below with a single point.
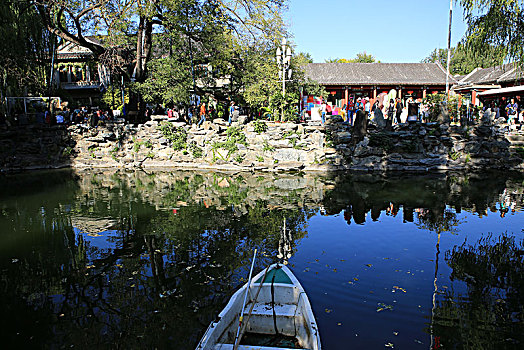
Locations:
(196, 114)
(394, 110)
(61, 116)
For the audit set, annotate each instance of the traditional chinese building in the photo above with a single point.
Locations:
(482, 80)
(345, 80)
(78, 74)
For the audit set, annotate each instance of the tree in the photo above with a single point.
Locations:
(25, 50)
(464, 60)
(489, 315)
(496, 23)
(362, 57)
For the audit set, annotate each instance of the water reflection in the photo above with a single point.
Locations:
(143, 260)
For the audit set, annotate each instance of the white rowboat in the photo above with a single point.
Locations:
(291, 312)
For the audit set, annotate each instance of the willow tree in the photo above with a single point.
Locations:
(497, 23)
(25, 48)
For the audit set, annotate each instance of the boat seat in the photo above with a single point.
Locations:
(281, 310)
(249, 347)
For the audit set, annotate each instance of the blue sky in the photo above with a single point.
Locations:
(392, 31)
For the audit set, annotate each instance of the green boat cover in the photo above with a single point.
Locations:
(280, 277)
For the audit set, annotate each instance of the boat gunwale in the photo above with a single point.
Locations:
(295, 283)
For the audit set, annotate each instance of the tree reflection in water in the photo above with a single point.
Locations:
(138, 260)
(491, 314)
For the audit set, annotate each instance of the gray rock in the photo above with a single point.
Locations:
(342, 137)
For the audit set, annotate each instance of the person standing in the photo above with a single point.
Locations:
(511, 110)
(367, 107)
(399, 106)
(323, 110)
(231, 111)
(391, 110)
(202, 113)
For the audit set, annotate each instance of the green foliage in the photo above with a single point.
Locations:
(169, 81)
(196, 151)
(176, 136)
(463, 60)
(435, 100)
(520, 152)
(260, 159)
(268, 147)
(25, 44)
(259, 126)
(67, 151)
(112, 97)
(362, 57)
(234, 136)
(239, 159)
(454, 155)
(495, 23)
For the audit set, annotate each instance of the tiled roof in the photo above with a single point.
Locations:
(493, 75)
(377, 74)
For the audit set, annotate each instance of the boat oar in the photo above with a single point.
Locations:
(245, 296)
(239, 337)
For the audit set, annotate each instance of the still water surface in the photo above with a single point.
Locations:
(147, 260)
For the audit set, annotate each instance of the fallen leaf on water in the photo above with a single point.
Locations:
(292, 265)
(342, 260)
(307, 269)
(389, 345)
(382, 307)
(399, 288)
(61, 315)
(132, 286)
(418, 341)
(351, 282)
(328, 311)
(94, 235)
(369, 265)
(334, 270)
(355, 279)
(339, 324)
(395, 333)
(316, 260)
(90, 266)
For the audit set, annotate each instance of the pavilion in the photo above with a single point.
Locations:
(345, 80)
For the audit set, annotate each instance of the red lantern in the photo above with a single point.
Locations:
(410, 92)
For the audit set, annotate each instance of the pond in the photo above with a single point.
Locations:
(114, 259)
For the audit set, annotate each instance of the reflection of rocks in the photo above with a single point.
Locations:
(355, 195)
(92, 225)
(167, 190)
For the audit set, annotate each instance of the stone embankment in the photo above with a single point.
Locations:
(161, 143)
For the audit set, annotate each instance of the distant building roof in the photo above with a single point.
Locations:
(377, 74)
(493, 75)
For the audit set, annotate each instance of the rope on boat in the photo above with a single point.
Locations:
(273, 301)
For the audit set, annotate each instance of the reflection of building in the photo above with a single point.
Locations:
(78, 73)
(345, 80)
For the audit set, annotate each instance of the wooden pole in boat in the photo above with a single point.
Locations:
(237, 341)
(245, 296)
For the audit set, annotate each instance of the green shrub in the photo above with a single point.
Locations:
(196, 151)
(260, 126)
(176, 136)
